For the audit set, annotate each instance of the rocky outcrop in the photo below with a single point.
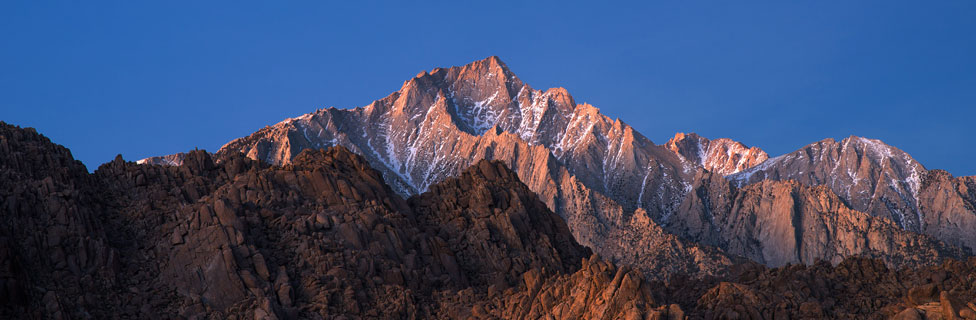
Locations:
(723, 156)
(599, 290)
(324, 235)
(57, 259)
(496, 225)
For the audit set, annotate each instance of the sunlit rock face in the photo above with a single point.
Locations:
(873, 177)
(723, 156)
(782, 222)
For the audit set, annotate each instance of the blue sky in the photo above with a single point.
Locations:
(145, 78)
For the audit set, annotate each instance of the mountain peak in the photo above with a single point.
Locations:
(496, 62)
(489, 66)
(874, 145)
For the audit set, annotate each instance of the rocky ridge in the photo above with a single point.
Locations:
(723, 156)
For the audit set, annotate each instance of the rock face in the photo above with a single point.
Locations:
(781, 222)
(880, 180)
(321, 237)
(722, 156)
(55, 257)
(948, 208)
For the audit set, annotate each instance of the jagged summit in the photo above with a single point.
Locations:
(723, 156)
(417, 134)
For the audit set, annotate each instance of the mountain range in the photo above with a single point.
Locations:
(469, 194)
(616, 188)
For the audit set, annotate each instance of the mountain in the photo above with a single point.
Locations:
(637, 203)
(723, 156)
(873, 177)
(443, 121)
(593, 171)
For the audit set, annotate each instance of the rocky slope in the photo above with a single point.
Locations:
(723, 156)
(781, 222)
(881, 180)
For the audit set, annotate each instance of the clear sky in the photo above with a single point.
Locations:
(145, 78)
